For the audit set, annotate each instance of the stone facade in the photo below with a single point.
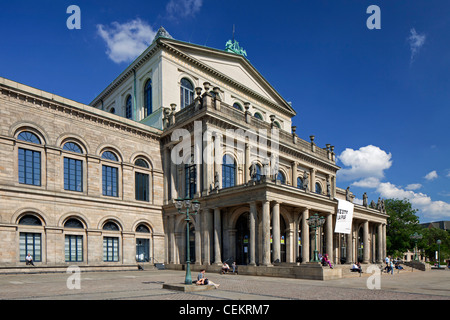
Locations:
(56, 121)
(256, 218)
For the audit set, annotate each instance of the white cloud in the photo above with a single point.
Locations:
(416, 41)
(431, 175)
(183, 8)
(413, 186)
(428, 207)
(126, 41)
(370, 182)
(369, 161)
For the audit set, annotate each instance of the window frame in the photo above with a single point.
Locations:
(186, 92)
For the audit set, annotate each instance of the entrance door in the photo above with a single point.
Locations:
(242, 239)
(142, 250)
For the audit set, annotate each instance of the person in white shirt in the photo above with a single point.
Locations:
(29, 259)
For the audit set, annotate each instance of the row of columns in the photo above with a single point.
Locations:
(210, 224)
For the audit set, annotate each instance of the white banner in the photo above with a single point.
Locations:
(344, 217)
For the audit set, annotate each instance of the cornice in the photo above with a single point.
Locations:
(78, 111)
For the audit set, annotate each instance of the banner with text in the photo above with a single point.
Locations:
(344, 217)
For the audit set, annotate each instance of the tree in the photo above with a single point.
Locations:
(401, 224)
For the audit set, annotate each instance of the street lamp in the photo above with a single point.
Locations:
(416, 237)
(439, 253)
(195, 207)
(315, 222)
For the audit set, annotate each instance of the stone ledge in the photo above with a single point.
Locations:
(63, 269)
(186, 287)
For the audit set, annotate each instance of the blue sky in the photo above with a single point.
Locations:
(381, 97)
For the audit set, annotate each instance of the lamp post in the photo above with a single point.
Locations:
(315, 222)
(416, 237)
(194, 206)
(439, 253)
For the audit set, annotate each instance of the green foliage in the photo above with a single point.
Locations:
(403, 222)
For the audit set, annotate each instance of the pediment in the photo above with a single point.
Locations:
(232, 66)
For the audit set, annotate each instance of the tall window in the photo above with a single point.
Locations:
(228, 171)
(29, 161)
(148, 107)
(191, 179)
(30, 242)
(73, 169)
(281, 177)
(186, 93)
(142, 181)
(257, 176)
(142, 244)
(110, 176)
(318, 188)
(111, 244)
(129, 108)
(299, 183)
(73, 243)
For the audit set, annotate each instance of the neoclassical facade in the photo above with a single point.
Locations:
(97, 184)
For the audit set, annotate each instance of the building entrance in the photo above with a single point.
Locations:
(242, 239)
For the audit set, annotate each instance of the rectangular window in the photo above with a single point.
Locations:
(110, 249)
(110, 181)
(73, 175)
(142, 250)
(142, 186)
(29, 167)
(30, 243)
(74, 248)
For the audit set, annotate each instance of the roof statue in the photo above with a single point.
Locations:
(162, 33)
(233, 46)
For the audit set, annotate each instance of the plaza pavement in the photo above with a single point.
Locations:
(147, 285)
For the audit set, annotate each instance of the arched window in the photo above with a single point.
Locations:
(277, 124)
(29, 137)
(190, 179)
(281, 177)
(142, 181)
(148, 106)
(108, 155)
(74, 224)
(113, 110)
(142, 244)
(73, 169)
(142, 229)
(186, 93)
(258, 115)
(110, 176)
(29, 242)
(30, 220)
(299, 183)
(238, 106)
(318, 188)
(72, 147)
(228, 171)
(141, 163)
(29, 160)
(129, 108)
(111, 226)
(73, 245)
(258, 173)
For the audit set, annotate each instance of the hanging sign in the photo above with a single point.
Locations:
(344, 217)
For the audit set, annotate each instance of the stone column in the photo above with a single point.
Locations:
(217, 237)
(366, 242)
(329, 236)
(252, 240)
(171, 239)
(350, 246)
(198, 239)
(266, 233)
(276, 245)
(380, 243)
(206, 223)
(305, 236)
(247, 163)
(294, 173)
(312, 181)
(173, 180)
(384, 241)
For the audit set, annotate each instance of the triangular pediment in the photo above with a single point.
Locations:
(234, 67)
